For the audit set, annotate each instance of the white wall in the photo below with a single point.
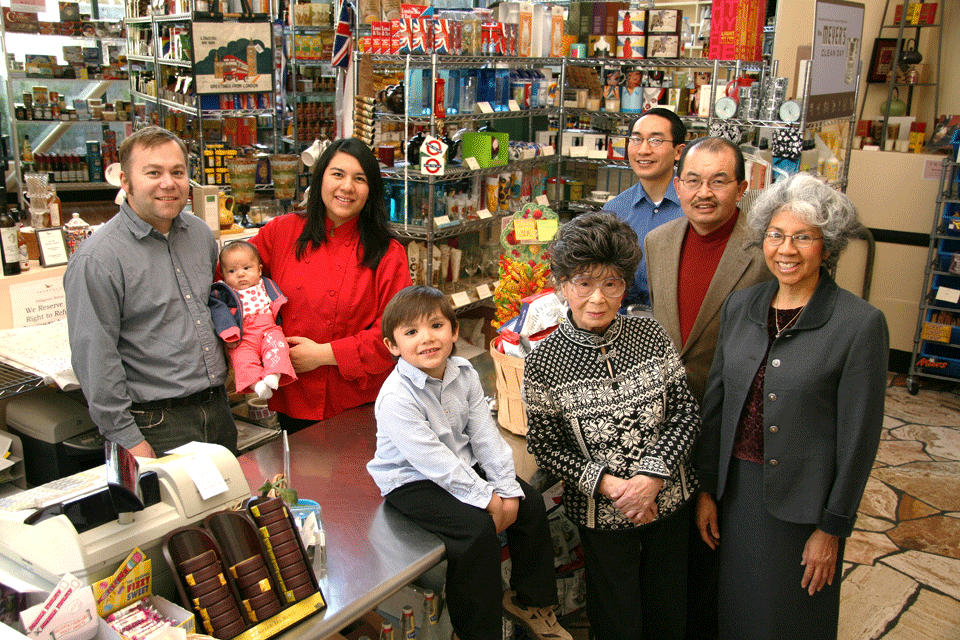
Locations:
(795, 29)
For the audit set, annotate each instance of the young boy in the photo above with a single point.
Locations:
(442, 463)
(245, 308)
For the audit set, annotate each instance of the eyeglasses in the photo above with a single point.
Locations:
(800, 240)
(654, 142)
(714, 185)
(584, 286)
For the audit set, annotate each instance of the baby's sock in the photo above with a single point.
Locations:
(272, 380)
(263, 390)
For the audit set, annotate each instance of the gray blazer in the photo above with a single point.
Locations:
(823, 402)
(741, 266)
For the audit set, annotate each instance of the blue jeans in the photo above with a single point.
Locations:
(206, 420)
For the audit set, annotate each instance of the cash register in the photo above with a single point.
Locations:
(74, 524)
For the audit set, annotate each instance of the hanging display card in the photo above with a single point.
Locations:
(835, 58)
(233, 57)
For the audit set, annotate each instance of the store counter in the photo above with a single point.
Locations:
(372, 550)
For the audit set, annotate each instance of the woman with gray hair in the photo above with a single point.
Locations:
(609, 412)
(791, 422)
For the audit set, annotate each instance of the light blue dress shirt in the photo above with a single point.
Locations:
(437, 430)
(634, 207)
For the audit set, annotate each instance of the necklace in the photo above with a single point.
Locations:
(776, 318)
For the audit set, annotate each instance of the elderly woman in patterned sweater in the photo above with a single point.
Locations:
(610, 413)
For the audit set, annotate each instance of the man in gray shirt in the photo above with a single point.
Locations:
(141, 335)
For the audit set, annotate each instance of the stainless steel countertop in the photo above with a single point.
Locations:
(372, 550)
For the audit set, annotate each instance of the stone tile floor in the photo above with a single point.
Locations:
(901, 578)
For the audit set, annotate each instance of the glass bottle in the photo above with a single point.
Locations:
(53, 206)
(429, 618)
(9, 246)
(408, 626)
(27, 156)
(22, 244)
(386, 630)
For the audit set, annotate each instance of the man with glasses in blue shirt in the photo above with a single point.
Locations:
(694, 263)
(656, 140)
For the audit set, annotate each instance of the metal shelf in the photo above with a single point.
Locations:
(45, 123)
(174, 17)
(422, 232)
(468, 117)
(402, 171)
(449, 61)
(143, 96)
(653, 63)
(170, 104)
(171, 62)
(13, 382)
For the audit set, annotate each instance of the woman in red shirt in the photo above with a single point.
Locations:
(338, 265)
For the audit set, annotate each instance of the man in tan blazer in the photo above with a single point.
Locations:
(693, 264)
(711, 238)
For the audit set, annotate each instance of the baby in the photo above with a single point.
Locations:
(246, 311)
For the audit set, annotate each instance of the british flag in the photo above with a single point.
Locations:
(344, 36)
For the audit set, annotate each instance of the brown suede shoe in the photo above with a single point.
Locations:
(541, 621)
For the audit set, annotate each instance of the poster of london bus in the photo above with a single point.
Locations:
(232, 57)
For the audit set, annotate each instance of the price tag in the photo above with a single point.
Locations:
(546, 229)
(484, 291)
(542, 199)
(461, 299)
(495, 284)
(484, 107)
(547, 150)
(472, 163)
(483, 214)
(525, 229)
(948, 295)
(441, 220)
(514, 105)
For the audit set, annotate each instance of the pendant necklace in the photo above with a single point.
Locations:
(776, 319)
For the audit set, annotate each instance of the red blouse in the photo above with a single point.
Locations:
(332, 298)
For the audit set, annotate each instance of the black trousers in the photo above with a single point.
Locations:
(637, 580)
(474, 586)
(703, 575)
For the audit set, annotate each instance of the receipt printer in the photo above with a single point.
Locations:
(59, 438)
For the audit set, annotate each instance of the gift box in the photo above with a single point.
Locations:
(664, 21)
(489, 148)
(631, 22)
(663, 46)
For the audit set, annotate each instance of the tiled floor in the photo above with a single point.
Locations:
(901, 577)
(902, 572)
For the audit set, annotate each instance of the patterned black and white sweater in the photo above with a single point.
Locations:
(616, 403)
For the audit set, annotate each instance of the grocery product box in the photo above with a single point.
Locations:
(631, 47)
(663, 46)
(664, 21)
(631, 22)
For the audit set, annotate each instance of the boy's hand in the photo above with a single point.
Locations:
(510, 508)
(495, 509)
(232, 344)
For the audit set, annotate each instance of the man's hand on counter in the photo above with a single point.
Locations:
(143, 450)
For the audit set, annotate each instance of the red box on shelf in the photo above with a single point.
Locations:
(737, 29)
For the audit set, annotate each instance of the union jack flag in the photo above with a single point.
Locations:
(344, 36)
